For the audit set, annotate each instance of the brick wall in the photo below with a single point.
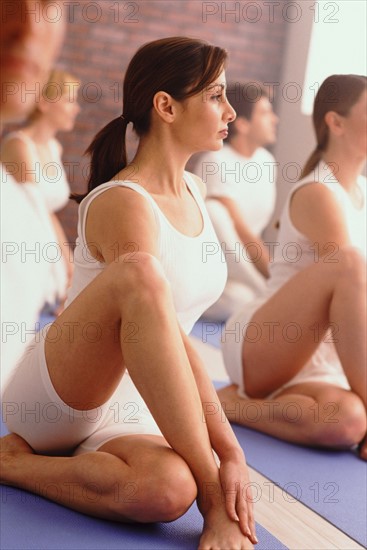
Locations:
(102, 36)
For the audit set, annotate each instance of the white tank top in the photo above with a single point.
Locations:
(50, 177)
(294, 251)
(194, 266)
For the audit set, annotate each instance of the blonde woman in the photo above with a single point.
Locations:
(35, 155)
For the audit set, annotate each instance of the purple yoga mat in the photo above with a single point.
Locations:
(332, 483)
(29, 522)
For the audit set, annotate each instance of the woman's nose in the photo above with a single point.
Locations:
(231, 114)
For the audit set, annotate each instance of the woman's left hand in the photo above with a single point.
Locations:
(236, 488)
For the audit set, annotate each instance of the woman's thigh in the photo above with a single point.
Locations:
(84, 347)
(286, 330)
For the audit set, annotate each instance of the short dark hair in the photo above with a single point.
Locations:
(243, 97)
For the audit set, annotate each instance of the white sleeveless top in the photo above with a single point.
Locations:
(194, 266)
(28, 247)
(294, 251)
(50, 177)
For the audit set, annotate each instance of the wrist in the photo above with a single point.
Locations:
(232, 453)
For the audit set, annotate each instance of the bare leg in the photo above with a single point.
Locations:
(131, 306)
(125, 298)
(314, 414)
(322, 296)
(131, 478)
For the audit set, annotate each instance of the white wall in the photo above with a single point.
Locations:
(338, 33)
(295, 135)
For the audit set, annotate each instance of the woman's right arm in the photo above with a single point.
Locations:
(248, 238)
(121, 223)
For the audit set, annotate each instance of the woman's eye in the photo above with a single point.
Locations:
(217, 97)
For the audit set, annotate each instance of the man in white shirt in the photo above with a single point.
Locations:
(240, 180)
(29, 44)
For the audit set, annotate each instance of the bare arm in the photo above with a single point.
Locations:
(261, 261)
(233, 468)
(316, 213)
(20, 160)
(119, 219)
(221, 435)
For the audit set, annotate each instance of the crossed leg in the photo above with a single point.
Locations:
(130, 478)
(314, 414)
(321, 296)
(126, 296)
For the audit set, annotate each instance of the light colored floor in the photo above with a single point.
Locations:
(293, 523)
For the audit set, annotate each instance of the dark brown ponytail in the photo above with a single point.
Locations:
(108, 154)
(312, 162)
(178, 65)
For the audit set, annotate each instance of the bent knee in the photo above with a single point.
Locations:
(172, 490)
(170, 499)
(343, 426)
(158, 498)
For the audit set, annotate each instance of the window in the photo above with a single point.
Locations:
(338, 44)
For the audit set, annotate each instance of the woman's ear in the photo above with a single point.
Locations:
(165, 107)
(334, 122)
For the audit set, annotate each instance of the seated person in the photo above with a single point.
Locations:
(122, 338)
(35, 153)
(28, 51)
(301, 346)
(240, 182)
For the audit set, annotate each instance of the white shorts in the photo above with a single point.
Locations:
(324, 365)
(32, 409)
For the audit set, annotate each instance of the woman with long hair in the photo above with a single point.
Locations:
(123, 399)
(299, 351)
(35, 154)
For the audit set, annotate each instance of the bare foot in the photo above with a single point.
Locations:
(11, 447)
(230, 401)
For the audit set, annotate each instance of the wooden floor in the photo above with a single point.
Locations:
(292, 523)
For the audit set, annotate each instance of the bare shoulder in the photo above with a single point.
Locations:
(14, 147)
(316, 212)
(199, 182)
(313, 195)
(121, 217)
(17, 152)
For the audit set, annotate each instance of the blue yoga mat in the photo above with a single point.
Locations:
(29, 522)
(331, 483)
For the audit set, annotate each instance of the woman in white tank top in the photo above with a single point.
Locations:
(298, 351)
(36, 154)
(147, 264)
